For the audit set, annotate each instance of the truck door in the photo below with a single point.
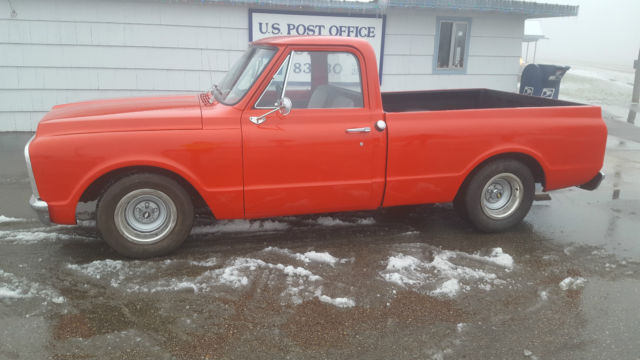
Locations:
(326, 154)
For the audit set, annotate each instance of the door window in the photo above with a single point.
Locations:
(317, 80)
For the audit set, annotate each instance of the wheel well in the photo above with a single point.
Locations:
(100, 185)
(530, 162)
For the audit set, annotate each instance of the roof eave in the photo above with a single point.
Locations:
(513, 7)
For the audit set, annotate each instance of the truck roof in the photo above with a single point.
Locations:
(312, 40)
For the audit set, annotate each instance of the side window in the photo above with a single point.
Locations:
(319, 80)
(452, 44)
(274, 90)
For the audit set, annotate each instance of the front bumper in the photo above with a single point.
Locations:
(593, 183)
(41, 208)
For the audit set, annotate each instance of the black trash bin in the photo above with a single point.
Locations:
(542, 80)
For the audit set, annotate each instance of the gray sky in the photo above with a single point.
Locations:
(604, 32)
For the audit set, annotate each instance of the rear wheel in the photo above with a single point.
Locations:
(145, 215)
(498, 196)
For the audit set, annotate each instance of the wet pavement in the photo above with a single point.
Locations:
(402, 283)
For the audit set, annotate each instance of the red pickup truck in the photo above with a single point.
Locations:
(297, 126)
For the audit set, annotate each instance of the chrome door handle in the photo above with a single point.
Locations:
(358, 130)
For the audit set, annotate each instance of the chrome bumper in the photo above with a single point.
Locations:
(41, 208)
(593, 183)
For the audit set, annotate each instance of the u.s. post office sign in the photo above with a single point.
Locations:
(265, 23)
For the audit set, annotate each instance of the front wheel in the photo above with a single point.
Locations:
(499, 195)
(145, 215)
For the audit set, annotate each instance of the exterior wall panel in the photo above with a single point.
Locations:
(421, 82)
(493, 60)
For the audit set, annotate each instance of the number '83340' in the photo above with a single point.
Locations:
(331, 68)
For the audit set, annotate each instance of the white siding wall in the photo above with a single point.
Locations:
(62, 51)
(494, 52)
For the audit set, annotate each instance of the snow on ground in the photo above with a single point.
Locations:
(14, 287)
(117, 271)
(611, 89)
(342, 302)
(25, 237)
(544, 295)
(331, 221)
(9, 220)
(617, 77)
(295, 284)
(497, 256)
(236, 273)
(449, 288)
(572, 283)
(448, 272)
(230, 226)
(309, 256)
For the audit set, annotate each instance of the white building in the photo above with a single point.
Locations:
(59, 51)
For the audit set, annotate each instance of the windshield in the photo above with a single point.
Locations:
(243, 74)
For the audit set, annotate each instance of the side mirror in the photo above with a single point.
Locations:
(283, 105)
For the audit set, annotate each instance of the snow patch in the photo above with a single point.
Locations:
(448, 273)
(624, 79)
(205, 263)
(14, 287)
(331, 221)
(31, 237)
(321, 257)
(236, 274)
(342, 302)
(572, 283)
(6, 219)
(132, 273)
(309, 256)
(231, 226)
(134, 276)
(497, 256)
(544, 295)
(449, 288)
(116, 270)
(295, 283)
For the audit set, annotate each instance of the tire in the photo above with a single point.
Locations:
(498, 196)
(145, 215)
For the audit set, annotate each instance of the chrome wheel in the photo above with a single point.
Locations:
(145, 216)
(501, 195)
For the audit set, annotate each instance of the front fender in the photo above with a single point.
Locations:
(211, 161)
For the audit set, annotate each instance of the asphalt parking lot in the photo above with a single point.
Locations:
(401, 283)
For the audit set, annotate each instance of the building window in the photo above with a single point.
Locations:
(452, 45)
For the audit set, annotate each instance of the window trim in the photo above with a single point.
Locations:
(454, 20)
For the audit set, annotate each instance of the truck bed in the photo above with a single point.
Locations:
(431, 152)
(463, 99)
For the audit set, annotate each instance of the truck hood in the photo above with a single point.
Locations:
(130, 114)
